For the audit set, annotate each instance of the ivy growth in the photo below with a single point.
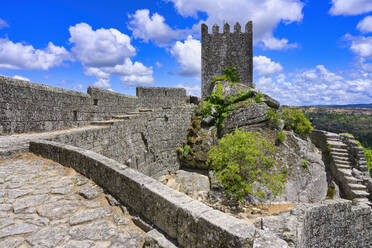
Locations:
(242, 158)
(230, 74)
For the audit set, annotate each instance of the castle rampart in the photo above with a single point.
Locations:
(30, 107)
(220, 50)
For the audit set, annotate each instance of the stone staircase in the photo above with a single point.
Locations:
(342, 169)
(120, 118)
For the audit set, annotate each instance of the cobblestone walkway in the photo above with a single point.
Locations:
(43, 204)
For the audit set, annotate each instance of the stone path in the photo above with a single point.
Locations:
(10, 145)
(43, 204)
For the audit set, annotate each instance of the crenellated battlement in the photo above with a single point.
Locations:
(226, 28)
(226, 48)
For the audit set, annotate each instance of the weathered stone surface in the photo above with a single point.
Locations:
(154, 239)
(90, 214)
(191, 183)
(58, 210)
(11, 242)
(266, 239)
(127, 239)
(252, 114)
(97, 230)
(229, 89)
(29, 201)
(89, 191)
(17, 228)
(78, 244)
(48, 237)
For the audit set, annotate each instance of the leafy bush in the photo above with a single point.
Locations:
(368, 154)
(295, 120)
(258, 97)
(228, 74)
(280, 136)
(273, 117)
(186, 150)
(242, 158)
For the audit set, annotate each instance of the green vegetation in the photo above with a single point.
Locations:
(368, 154)
(258, 97)
(218, 106)
(273, 117)
(230, 74)
(242, 158)
(331, 191)
(295, 120)
(305, 163)
(280, 137)
(186, 150)
(351, 121)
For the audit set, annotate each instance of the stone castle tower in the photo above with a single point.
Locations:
(220, 50)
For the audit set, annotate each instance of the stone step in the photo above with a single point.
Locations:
(337, 158)
(352, 180)
(356, 186)
(332, 135)
(341, 162)
(340, 150)
(133, 113)
(145, 110)
(363, 168)
(363, 200)
(340, 154)
(345, 172)
(336, 144)
(343, 166)
(360, 193)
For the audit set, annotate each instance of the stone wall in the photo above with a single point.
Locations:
(188, 221)
(146, 142)
(220, 50)
(336, 223)
(26, 107)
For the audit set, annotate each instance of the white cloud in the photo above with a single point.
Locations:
(360, 45)
(152, 28)
(106, 52)
(21, 56)
(3, 24)
(21, 78)
(193, 90)
(365, 25)
(188, 54)
(318, 86)
(158, 64)
(350, 7)
(102, 47)
(265, 14)
(264, 66)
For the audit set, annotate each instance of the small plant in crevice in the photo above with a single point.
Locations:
(331, 191)
(241, 159)
(280, 137)
(230, 74)
(328, 153)
(305, 163)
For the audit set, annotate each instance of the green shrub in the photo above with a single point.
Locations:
(186, 150)
(305, 163)
(228, 74)
(295, 120)
(368, 154)
(258, 97)
(231, 73)
(242, 158)
(280, 136)
(273, 117)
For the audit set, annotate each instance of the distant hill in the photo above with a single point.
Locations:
(343, 106)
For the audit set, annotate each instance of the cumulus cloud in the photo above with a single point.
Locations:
(21, 56)
(153, 28)
(350, 7)
(265, 14)
(191, 89)
(360, 45)
(188, 54)
(365, 25)
(106, 52)
(3, 24)
(318, 85)
(264, 66)
(21, 78)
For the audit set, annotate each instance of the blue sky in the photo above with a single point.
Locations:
(305, 52)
